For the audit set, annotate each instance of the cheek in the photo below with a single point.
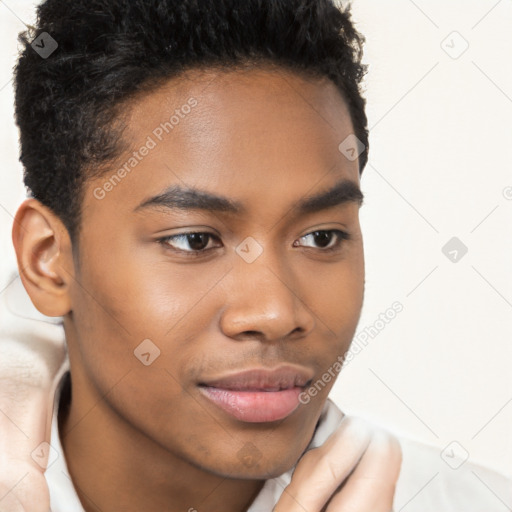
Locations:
(336, 292)
(138, 288)
(123, 300)
(336, 297)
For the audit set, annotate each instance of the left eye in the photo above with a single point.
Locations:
(324, 238)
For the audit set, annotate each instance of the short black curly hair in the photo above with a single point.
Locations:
(66, 105)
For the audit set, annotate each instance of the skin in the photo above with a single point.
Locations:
(266, 138)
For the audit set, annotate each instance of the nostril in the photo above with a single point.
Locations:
(252, 333)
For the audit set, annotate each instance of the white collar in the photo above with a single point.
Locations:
(63, 497)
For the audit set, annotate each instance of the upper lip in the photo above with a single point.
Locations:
(284, 376)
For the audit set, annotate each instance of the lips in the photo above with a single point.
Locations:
(263, 379)
(258, 395)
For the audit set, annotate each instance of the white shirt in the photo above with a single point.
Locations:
(427, 483)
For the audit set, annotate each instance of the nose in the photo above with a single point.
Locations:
(265, 302)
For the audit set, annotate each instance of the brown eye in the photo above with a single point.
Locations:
(188, 242)
(324, 239)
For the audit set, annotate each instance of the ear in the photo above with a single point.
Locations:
(44, 255)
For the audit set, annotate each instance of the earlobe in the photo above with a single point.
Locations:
(43, 252)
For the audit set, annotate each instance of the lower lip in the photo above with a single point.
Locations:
(255, 406)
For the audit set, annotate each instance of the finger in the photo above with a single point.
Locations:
(371, 488)
(321, 470)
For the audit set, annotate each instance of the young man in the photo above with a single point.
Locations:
(195, 169)
(195, 224)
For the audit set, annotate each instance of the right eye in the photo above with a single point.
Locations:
(191, 243)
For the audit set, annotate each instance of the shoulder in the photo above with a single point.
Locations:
(445, 478)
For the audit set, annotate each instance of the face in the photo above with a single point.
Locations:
(175, 289)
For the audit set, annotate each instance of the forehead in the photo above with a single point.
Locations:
(247, 134)
(250, 84)
(240, 107)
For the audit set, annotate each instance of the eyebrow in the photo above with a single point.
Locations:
(188, 198)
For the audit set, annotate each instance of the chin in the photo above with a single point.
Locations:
(262, 469)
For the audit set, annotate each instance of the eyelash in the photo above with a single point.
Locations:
(342, 236)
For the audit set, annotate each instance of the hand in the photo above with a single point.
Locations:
(355, 470)
(32, 353)
(23, 412)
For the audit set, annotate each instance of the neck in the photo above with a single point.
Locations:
(116, 467)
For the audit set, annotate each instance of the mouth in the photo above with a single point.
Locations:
(258, 395)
